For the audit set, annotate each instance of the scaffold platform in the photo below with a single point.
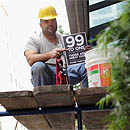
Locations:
(56, 107)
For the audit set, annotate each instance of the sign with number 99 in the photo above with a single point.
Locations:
(71, 41)
(75, 43)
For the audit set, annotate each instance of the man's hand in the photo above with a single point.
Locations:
(57, 52)
(87, 48)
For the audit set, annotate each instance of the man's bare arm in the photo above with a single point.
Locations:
(33, 56)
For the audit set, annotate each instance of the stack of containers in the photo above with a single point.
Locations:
(98, 68)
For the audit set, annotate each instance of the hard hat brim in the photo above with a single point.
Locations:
(48, 18)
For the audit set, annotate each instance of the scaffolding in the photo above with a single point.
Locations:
(55, 107)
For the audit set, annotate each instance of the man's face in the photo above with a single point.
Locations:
(49, 27)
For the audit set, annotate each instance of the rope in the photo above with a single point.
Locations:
(16, 125)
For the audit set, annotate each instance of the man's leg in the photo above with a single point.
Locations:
(42, 74)
(77, 73)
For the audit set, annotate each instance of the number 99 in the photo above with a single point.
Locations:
(79, 39)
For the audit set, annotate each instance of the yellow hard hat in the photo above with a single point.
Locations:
(47, 13)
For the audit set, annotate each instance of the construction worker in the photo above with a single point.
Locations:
(42, 49)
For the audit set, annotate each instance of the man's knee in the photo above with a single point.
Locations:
(38, 67)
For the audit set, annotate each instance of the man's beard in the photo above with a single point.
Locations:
(50, 31)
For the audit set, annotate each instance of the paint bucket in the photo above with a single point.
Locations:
(98, 68)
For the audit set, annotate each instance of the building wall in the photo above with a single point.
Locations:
(8, 76)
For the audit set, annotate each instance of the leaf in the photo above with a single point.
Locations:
(117, 36)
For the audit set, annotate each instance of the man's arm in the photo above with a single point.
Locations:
(33, 56)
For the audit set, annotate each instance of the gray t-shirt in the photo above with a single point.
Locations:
(40, 44)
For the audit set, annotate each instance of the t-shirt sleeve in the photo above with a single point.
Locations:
(32, 44)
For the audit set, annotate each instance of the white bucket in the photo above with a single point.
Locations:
(98, 68)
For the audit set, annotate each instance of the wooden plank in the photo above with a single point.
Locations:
(17, 100)
(95, 120)
(23, 100)
(54, 96)
(34, 122)
(57, 96)
(62, 121)
(89, 96)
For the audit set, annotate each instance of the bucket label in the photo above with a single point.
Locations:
(93, 76)
(99, 75)
(93, 69)
(105, 74)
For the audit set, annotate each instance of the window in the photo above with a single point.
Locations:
(101, 12)
(94, 1)
(105, 15)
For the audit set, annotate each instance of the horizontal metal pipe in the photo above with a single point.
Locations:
(34, 111)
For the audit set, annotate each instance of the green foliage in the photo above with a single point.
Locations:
(76, 86)
(60, 30)
(118, 34)
(76, 125)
